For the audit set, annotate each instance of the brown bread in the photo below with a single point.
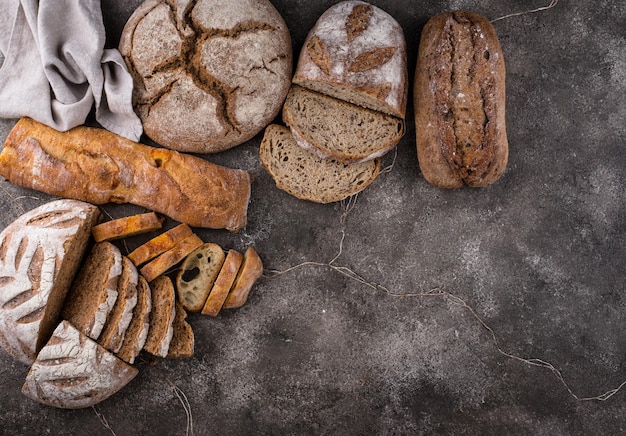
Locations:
(137, 332)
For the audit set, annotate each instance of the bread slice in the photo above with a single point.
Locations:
(249, 272)
(223, 283)
(112, 336)
(307, 176)
(94, 292)
(170, 258)
(339, 130)
(72, 371)
(162, 317)
(137, 332)
(127, 226)
(183, 340)
(159, 244)
(197, 275)
(40, 253)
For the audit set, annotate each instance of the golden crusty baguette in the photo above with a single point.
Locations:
(127, 226)
(251, 269)
(99, 167)
(159, 244)
(170, 258)
(223, 283)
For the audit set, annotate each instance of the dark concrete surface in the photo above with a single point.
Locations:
(516, 315)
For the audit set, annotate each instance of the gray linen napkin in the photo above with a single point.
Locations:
(56, 68)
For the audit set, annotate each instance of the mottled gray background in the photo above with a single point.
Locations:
(527, 317)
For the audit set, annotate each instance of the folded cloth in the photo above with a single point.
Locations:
(56, 68)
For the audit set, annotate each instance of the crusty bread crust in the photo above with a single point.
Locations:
(459, 96)
(249, 272)
(223, 283)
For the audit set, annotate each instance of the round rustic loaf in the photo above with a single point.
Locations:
(209, 74)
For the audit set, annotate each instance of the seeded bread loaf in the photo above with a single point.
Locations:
(459, 97)
(40, 253)
(305, 175)
(209, 74)
(137, 332)
(223, 283)
(99, 167)
(356, 52)
(251, 269)
(339, 130)
(117, 323)
(72, 371)
(94, 291)
(162, 316)
(197, 274)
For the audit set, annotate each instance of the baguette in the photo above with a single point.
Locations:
(223, 283)
(159, 244)
(99, 167)
(170, 258)
(197, 274)
(251, 269)
(126, 227)
(459, 97)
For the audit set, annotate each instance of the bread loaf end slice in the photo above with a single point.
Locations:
(40, 253)
(337, 129)
(309, 177)
(183, 340)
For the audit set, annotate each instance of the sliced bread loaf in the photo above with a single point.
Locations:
(307, 176)
(159, 244)
(339, 130)
(127, 226)
(162, 317)
(112, 336)
(249, 272)
(197, 275)
(72, 371)
(94, 292)
(40, 253)
(223, 283)
(137, 332)
(183, 339)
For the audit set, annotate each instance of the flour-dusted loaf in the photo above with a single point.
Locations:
(209, 74)
(356, 52)
(339, 130)
(40, 253)
(162, 316)
(307, 176)
(183, 339)
(94, 291)
(459, 97)
(249, 272)
(223, 283)
(137, 332)
(197, 274)
(99, 167)
(72, 371)
(119, 319)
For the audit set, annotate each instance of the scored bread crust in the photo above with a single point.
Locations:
(72, 371)
(40, 253)
(94, 291)
(99, 167)
(251, 269)
(459, 96)
(335, 129)
(208, 74)
(197, 274)
(305, 175)
(356, 52)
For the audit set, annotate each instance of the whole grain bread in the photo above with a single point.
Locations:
(183, 339)
(197, 274)
(356, 52)
(307, 176)
(137, 332)
(72, 371)
(99, 167)
(162, 316)
(40, 253)
(209, 74)
(459, 97)
(117, 323)
(339, 130)
(94, 291)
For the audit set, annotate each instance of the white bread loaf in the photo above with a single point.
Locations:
(40, 253)
(72, 371)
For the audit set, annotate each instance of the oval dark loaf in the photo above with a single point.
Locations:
(459, 96)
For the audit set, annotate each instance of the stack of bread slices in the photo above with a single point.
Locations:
(346, 107)
(80, 312)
